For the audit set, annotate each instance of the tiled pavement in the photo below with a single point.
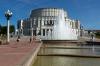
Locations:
(14, 53)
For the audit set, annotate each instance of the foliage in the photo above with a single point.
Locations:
(3, 29)
(97, 34)
(12, 28)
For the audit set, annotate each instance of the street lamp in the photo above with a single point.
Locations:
(31, 29)
(8, 14)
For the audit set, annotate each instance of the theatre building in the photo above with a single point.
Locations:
(50, 24)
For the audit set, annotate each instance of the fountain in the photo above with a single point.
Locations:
(62, 30)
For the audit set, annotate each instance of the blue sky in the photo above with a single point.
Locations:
(87, 11)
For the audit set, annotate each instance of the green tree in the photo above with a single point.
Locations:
(4, 29)
(97, 34)
(12, 28)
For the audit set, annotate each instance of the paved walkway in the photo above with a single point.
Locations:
(15, 53)
(88, 39)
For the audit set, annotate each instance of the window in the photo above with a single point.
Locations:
(43, 32)
(34, 32)
(44, 22)
(51, 22)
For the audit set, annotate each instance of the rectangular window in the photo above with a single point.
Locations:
(43, 32)
(34, 32)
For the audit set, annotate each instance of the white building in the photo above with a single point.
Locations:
(45, 23)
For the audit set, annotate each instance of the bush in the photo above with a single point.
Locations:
(97, 34)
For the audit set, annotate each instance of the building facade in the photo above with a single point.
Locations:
(42, 21)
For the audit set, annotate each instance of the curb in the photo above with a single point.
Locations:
(71, 47)
(30, 58)
(71, 55)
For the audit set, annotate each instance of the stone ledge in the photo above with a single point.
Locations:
(71, 55)
(30, 58)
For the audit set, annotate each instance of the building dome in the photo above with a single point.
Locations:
(45, 12)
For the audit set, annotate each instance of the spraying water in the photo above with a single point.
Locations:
(62, 30)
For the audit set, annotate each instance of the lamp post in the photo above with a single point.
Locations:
(8, 14)
(31, 29)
